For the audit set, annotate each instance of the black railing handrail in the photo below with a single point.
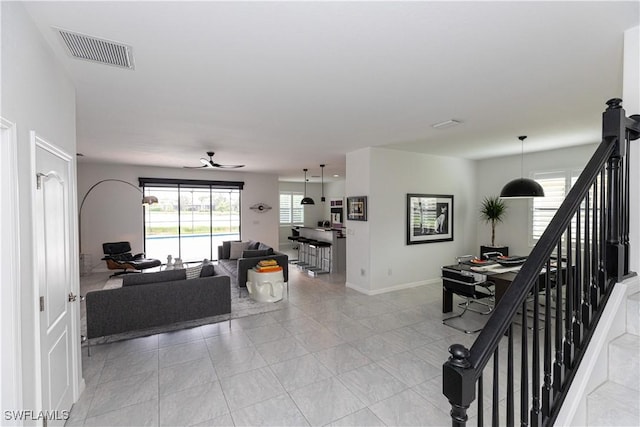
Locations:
(602, 262)
(490, 336)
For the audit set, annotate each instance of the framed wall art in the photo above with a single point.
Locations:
(357, 208)
(429, 218)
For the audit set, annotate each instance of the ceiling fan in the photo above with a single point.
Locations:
(209, 163)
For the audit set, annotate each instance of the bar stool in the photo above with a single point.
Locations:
(311, 255)
(326, 256)
(323, 258)
(294, 240)
(313, 267)
(303, 249)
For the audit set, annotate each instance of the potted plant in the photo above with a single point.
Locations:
(493, 210)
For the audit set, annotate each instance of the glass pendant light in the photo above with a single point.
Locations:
(522, 187)
(306, 200)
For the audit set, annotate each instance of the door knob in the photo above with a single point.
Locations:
(72, 297)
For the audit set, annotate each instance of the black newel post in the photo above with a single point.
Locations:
(614, 130)
(458, 384)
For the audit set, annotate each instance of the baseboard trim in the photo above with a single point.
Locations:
(392, 288)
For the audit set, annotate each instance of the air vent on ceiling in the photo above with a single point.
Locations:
(91, 48)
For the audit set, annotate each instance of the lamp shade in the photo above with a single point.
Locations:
(307, 201)
(523, 188)
(149, 200)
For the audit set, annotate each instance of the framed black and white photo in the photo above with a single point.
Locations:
(429, 218)
(357, 208)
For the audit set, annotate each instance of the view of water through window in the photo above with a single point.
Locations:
(190, 222)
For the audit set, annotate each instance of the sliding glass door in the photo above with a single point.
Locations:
(190, 221)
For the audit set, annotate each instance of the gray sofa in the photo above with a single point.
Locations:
(236, 267)
(148, 300)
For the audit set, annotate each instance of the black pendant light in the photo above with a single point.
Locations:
(306, 200)
(522, 187)
(322, 199)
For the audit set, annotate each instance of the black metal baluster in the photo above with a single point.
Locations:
(557, 365)
(535, 371)
(495, 403)
(586, 307)
(480, 405)
(568, 327)
(577, 318)
(524, 370)
(548, 345)
(602, 273)
(510, 403)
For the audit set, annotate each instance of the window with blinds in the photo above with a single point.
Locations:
(291, 211)
(556, 185)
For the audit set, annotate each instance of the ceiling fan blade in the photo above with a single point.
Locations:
(207, 163)
(194, 167)
(217, 165)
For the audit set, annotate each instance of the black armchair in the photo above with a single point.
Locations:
(118, 257)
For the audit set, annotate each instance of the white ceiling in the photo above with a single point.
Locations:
(282, 86)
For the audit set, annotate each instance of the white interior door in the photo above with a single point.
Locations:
(53, 265)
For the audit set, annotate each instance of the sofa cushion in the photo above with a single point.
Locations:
(227, 267)
(237, 248)
(157, 277)
(193, 272)
(207, 270)
(257, 252)
(226, 249)
(253, 245)
(263, 247)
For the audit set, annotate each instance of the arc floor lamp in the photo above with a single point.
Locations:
(146, 200)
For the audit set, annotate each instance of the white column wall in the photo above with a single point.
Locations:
(378, 258)
(358, 183)
(112, 212)
(631, 104)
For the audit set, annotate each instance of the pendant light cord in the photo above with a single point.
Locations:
(522, 138)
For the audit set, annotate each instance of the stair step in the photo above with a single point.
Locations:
(633, 314)
(624, 366)
(612, 404)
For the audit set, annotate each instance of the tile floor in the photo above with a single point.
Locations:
(330, 356)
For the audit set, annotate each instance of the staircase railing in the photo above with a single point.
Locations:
(546, 318)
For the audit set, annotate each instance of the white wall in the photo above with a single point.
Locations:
(631, 103)
(358, 259)
(378, 258)
(493, 174)
(112, 211)
(36, 95)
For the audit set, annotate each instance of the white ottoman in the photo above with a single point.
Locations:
(265, 287)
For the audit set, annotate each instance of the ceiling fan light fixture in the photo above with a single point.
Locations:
(522, 188)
